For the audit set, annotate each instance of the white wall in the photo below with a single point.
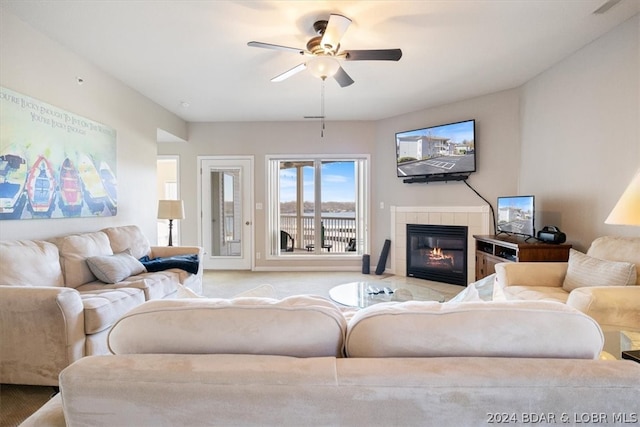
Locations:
(260, 139)
(580, 135)
(497, 151)
(40, 68)
(498, 160)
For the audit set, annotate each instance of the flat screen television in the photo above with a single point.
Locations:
(516, 215)
(437, 151)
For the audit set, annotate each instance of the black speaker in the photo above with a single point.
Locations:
(551, 234)
(365, 264)
(382, 261)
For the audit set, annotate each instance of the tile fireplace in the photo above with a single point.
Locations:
(476, 218)
(437, 252)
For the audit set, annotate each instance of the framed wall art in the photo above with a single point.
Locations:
(53, 163)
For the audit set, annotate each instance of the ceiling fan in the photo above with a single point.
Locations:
(324, 50)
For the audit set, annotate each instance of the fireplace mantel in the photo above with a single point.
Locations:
(477, 218)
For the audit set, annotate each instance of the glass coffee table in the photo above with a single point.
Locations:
(366, 293)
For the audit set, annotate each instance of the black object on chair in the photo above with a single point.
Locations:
(285, 238)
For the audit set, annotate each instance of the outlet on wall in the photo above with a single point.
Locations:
(258, 255)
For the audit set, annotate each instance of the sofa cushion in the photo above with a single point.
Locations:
(615, 248)
(161, 284)
(584, 270)
(30, 263)
(530, 329)
(114, 268)
(103, 308)
(154, 285)
(128, 237)
(74, 251)
(299, 326)
(536, 293)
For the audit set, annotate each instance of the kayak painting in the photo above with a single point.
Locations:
(94, 192)
(110, 185)
(54, 163)
(41, 188)
(13, 176)
(70, 189)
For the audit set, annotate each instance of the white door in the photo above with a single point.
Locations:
(226, 216)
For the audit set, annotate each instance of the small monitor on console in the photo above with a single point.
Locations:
(516, 215)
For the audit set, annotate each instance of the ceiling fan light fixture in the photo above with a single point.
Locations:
(325, 50)
(323, 66)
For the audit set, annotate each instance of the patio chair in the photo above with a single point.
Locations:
(324, 245)
(351, 246)
(287, 243)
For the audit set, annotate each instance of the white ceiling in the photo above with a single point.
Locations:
(196, 52)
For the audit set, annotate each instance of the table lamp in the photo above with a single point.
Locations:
(170, 209)
(627, 210)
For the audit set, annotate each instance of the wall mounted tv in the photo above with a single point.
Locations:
(437, 153)
(516, 215)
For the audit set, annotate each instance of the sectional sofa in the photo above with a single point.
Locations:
(302, 361)
(59, 298)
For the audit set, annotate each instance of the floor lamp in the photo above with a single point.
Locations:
(170, 209)
(627, 210)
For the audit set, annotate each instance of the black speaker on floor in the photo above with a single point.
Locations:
(365, 264)
(382, 262)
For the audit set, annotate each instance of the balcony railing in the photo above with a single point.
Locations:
(338, 231)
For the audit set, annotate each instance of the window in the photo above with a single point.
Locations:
(338, 185)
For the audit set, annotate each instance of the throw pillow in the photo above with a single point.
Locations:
(114, 268)
(584, 270)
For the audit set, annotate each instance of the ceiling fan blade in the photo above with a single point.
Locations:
(276, 47)
(343, 78)
(373, 55)
(289, 73)
(336, 27)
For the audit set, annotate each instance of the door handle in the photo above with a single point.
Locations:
(248, 223)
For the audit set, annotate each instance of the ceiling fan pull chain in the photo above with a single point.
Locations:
(322, 108)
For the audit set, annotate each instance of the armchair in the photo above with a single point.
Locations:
(614, 307)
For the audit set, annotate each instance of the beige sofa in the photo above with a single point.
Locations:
(54, 310)
(300, 361)
(603, 283)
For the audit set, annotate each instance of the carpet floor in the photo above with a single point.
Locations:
(17, 402)
(226, 284)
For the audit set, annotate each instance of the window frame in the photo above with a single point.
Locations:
(362, 201)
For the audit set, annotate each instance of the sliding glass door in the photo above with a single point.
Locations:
(317, 205)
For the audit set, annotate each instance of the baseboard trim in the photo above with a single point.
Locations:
(307, 268)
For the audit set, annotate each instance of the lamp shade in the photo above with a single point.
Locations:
(627, 210)
(170, 209)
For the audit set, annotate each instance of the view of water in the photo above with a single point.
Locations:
(326, 214)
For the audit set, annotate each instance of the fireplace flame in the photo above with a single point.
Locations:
(436, 254)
